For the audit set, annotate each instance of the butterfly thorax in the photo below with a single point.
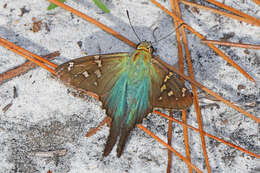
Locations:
(140, 62)
(143, 49)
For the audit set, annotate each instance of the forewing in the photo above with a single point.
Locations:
(95, 74)
(168, 91)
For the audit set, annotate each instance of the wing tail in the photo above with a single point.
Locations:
(116, 106)
(123, 138)
(113, 134)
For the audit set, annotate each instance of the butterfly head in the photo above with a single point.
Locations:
(145, 46)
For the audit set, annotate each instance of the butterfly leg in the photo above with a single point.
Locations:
(93, 131)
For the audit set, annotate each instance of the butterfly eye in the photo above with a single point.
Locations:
(151, 49)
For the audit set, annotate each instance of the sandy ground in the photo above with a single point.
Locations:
(47, 117)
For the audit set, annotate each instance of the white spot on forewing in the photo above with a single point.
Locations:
(170, 93)
(99, 64)
(98, 73)
(183, 92)
(71, 64)
(163, 88)
(166, 78)
(85, 73)
(96, 57)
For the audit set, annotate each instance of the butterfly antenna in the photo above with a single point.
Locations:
(167, 34)
(154, 37)
(132, 26)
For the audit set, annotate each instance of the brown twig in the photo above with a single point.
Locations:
(218, 51)
(209, 135)
(257, 2)
(225, 43)
(176, 8)
(93, 131)
(28, 55)
(13, 46)
(54, 153)
(95, 22)
(195, 97)
(15, 92)
(7, 107)
(235, 11)
(210, 91)
(168, 146)
(22, 69)
(223, 55)
(169, 165)
(236, 17)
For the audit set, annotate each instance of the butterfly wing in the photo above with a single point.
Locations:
(168, 91)
(94, 75)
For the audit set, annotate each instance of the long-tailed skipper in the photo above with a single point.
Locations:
(129, 86)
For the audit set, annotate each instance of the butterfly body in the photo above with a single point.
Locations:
(129, 86)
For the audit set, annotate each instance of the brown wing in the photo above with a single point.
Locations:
(92, 74)
(168, 91)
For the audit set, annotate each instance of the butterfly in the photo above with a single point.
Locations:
(128, 85)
